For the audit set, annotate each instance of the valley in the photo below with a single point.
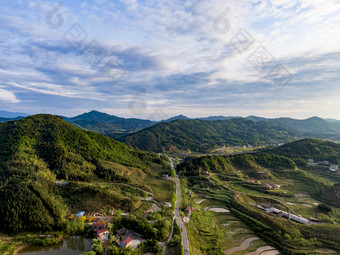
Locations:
(133, 127)
(73, 182)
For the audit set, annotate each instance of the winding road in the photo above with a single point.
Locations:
(185, 240)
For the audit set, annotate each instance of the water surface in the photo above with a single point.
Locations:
(74, 245)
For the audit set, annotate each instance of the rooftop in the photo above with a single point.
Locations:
(127, 240)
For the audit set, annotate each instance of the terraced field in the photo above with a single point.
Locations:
(213, 230)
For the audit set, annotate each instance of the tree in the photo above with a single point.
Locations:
(97, 247)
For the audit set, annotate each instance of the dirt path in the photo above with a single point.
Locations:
(246, 243)
(221, 210)
(325, 251)
(272, 252)
(200, 201)
(263, 249)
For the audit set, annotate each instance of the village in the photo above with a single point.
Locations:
(325, 163)
(100, 222)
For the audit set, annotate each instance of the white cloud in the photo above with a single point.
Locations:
(165, 45)
(7, 95)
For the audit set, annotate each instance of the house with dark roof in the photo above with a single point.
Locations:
(187, 210)
(121, 232)
(98, 225)
(166, 204)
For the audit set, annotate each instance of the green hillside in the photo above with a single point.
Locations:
(38, 150)
(245, 184)
(314, 127)
(253, 166)
(310, 149)
(109, 125)
(204, 135)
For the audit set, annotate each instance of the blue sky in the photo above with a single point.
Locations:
(136, 58)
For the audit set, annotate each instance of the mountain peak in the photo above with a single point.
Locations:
(95, 116)
(178, 117)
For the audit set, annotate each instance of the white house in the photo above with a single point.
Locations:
(334, 168)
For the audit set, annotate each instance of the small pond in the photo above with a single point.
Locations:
(74, 245)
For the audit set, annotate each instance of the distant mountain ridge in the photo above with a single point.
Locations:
(109, 125)
(115, 127)
(316, 149)
(178, 117)
(7, 114)
(204, 135)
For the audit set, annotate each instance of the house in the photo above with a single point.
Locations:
(121, 232)
(98, 225)
(127, 242)
(273, 210)
(167, 177)
(277, 186)
(334, 168)
(311, 162)
(187, 210)
(267, 185)
(287, 215)
(61, 183)
(166, 204)
(261, 207)
(80, 214)
(102, 233)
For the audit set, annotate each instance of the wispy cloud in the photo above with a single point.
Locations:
(170, 51)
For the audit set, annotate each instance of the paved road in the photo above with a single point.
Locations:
(185, 240)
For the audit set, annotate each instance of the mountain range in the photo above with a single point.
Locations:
(203, 135)
(131, 130)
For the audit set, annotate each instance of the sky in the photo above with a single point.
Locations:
(156, 59)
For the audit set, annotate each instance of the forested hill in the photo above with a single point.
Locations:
(251, 165)
(310, 149)
(203, 135)
(109, 125)
(37, 150)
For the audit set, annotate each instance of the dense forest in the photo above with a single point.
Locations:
(203, 135)
(38, 150)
